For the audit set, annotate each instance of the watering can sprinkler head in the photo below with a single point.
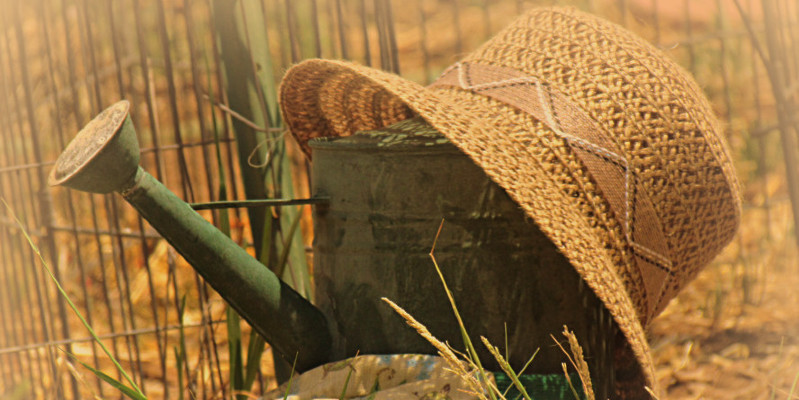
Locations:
(103, 157)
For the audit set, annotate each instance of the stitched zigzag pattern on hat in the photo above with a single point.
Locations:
(528, 94)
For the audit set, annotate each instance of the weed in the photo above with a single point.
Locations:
(131, 391)
(468, 366)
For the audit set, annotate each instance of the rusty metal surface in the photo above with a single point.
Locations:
(389, 190)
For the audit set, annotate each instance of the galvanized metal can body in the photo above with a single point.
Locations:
(389, 191)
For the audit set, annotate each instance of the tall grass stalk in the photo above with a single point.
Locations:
(470, 350)
(242, 375)
(577, 360)
(464, 368)
(291, 376)
(793, 386)
(569, 381)
(242, 33)
(482, 386)
(343, 394)
(180, 349)
(133, 391)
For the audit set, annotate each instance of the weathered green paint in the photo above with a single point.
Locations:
(389, 190)
(285, 319)
(104, 157)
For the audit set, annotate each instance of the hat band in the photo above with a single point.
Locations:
(599, 153)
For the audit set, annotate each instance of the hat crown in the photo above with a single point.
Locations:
(659, 119)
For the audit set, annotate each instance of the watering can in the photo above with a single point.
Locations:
(388, 192)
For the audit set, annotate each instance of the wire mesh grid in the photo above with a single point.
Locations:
(62, 61)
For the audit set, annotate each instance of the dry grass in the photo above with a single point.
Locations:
(734, 332)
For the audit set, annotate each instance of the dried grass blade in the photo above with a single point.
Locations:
(442, 348)
(569, 381)
(447, 353)
(579, 365)
(582, 366)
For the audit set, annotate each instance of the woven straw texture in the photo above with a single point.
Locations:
(652, 118)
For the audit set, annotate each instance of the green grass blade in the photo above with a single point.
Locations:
(278, 173)
(183, 364)
(244, 99)
(507, 348)
(266, 243)
(284, 255)
(291, 377)
(224, 214)
(297, 258)
(346, 384)
(127, 391)
(234, 349)
(69, 301)
(255, 350)
(290, 216)
(529, 361)
(257, 37)
(241, 376)
(179, 363)
(793, 386)
(375, 388)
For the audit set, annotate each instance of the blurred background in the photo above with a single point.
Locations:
(201, 77)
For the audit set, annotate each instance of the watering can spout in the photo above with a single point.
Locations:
(104, 158)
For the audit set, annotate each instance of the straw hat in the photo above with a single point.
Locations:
(609, 146)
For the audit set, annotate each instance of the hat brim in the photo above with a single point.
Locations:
(315, 105)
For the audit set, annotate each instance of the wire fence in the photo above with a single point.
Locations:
(63, 61)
